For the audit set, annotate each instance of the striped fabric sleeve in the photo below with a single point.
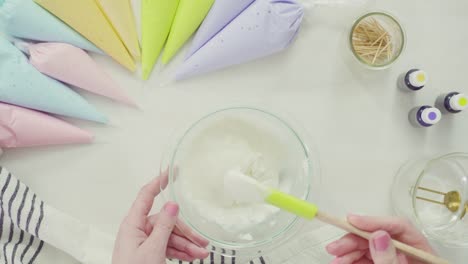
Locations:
(215, 258)
(219, 260)
(27, 224)
(21, 219)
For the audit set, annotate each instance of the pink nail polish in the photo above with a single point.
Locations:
(353, 216)
(382, 242)
(172, 209)
(336, 261)
(332, 247)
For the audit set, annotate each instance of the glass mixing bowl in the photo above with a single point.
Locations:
(297, 168)
(433, 193)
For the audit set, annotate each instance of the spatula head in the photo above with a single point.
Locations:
(242, 188)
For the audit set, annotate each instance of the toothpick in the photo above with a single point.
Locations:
(367, 33)
(366, 36)
(388, 49)
(384, 48)
(375, 57)
(381, 36)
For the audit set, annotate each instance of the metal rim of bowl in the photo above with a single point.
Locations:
(395, 58)
(274, 237)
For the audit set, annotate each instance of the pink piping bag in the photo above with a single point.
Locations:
(21, 127)
(73, 66)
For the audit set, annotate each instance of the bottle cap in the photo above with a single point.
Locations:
(431, 116)
(459, 102)
(418, 78)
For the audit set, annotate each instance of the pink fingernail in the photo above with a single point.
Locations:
(352, 216)
(336, 261)
(332, 247)
(172, 209)
(382, 242)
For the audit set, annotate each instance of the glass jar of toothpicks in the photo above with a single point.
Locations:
(377, 40)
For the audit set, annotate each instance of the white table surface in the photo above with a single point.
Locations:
(357, 118)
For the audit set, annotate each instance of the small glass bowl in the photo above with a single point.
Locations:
(433, 193)
(384, 51)
(298, 163)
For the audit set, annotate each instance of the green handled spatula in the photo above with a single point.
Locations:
(246, 189)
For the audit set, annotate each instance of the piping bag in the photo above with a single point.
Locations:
(25, 19)
(21, 127)
(221, 14)
(264, 28)
(253, 191)
(156, 21)
(236, 32)
(73, 66)
(95, 26)
(120, 15)
(190, 14)
(24, 86)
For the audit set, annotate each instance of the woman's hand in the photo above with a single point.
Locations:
(147, 239)
(352, 249)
